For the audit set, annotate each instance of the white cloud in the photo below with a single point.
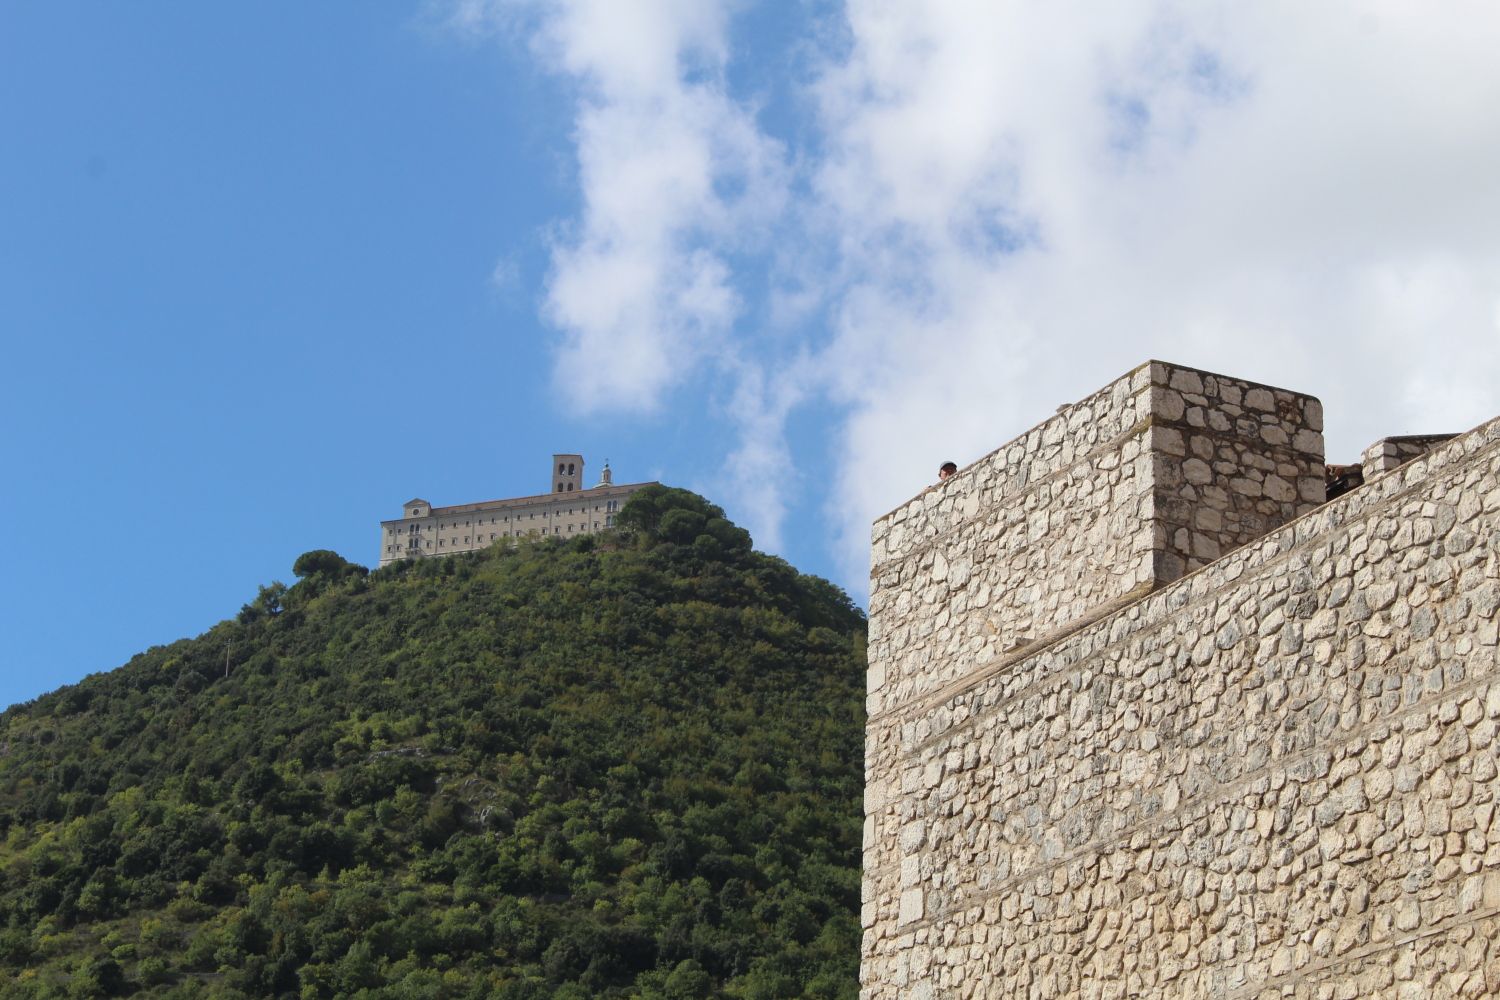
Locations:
(759, 472)
(674, 175)
(1305, 196)
(1004, 205)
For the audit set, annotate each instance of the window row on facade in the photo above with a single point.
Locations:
(415, 539)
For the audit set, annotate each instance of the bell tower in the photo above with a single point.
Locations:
(567, 473)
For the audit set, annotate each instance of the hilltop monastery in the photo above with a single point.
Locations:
(565, 510)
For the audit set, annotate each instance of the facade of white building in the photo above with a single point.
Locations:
(566, 510)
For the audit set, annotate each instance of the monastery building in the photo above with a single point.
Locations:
(566, 510)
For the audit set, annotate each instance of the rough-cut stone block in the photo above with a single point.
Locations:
(1120, 493)
(1088, 776)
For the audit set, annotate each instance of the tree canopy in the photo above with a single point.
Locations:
(619, 765)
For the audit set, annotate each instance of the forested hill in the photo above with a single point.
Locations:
(623, 765)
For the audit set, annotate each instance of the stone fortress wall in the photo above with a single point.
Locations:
(1155, 474)
(1275, 776)
(1394, 452)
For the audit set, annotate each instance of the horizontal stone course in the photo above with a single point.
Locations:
(1275, 776)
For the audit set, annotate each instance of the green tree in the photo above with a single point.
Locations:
(608, 767)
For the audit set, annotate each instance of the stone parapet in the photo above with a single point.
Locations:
(1231, 460)
(1275, 777)
(1394, 452)
(1156, 474)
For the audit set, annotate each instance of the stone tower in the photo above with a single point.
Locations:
(567, 473)
(1148, 717)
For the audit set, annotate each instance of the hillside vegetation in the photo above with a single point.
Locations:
(622, 765)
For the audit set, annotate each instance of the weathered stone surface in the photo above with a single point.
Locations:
(1114, 496)
(1394, 452)
(1274, 777)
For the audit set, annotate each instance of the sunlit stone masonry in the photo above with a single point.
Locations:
(1149, 717)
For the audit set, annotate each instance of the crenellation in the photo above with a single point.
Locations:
(1273, 776)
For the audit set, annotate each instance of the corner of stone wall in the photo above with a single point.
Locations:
(1275, 777)
(1232, 460)
(1394, 452)
(1137, 484)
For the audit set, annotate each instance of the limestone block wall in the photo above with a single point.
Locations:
(1275, 777)
(1231, 461)
(1394, 452)
(1154, 475)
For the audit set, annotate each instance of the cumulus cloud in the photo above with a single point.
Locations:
(1000, 206)
(1033, 198)
(758, 472)
(673, 174)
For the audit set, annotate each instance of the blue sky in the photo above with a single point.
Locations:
(268, 271)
